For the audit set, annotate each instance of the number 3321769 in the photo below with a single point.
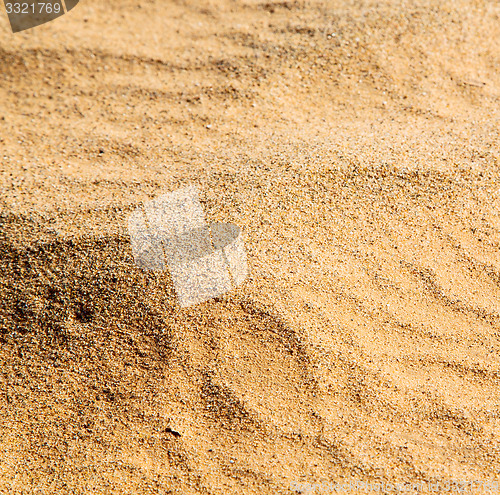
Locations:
(33, 8)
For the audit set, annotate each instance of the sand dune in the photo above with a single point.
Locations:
(356, 143)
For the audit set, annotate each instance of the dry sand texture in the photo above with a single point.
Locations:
(355, 142)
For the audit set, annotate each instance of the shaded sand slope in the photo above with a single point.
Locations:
(357, 145)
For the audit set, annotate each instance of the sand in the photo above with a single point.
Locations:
(356, 143)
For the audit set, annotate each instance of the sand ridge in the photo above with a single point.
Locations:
(355, 143)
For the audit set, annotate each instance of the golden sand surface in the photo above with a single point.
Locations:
(356, 143)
